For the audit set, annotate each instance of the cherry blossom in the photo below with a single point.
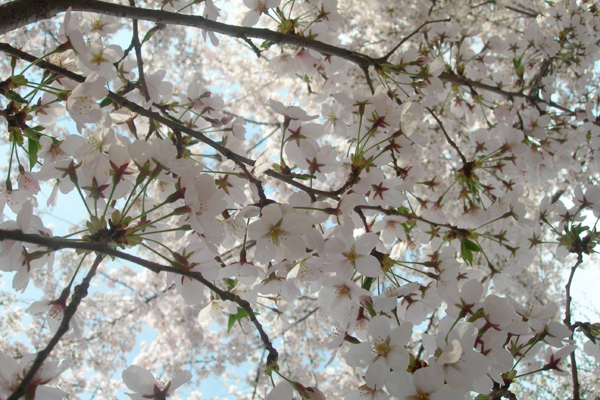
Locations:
(13, 372)
(384, 351)
(82, 105)
(146, 386)
(257, 7)
(422, 186)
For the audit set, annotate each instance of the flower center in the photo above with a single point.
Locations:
(380, 347)
(343, 291)
(275, 234)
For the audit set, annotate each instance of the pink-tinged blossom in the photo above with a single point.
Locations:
(357, 257)
(454, 355)
(385, 350)
(282, 391)
(257, 7)
(592, 349)
(390, 228)
(101, 59)
(55, 312)
(13, 254)
(365, 392)
(339, 296)
(462, 304)
(82, 102)
(70, 30)
(48, 110)
(555, 361)
(99, 24)
(146, 386)
(194, 258)
(312, 393)
(13, 372)
(278, 233)
(216, 308)
(291, 113)
(425, 383)
(319, 161)
(205, 203)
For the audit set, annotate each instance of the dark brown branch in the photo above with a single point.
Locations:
(18, 13)
(459, 80)
(5, 47)
(448, 139)
(524, 12)
(567, 322)
(368, 78)
(138, 55)
(58, 243)
(385, 58)
(79, 293)
(255, 49)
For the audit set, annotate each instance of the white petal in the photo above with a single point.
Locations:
(180, 379)
(139, 380)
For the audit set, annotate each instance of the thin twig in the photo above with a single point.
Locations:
(135, 108)
(385, 58)
(138, 55)
(58, 243)
(255, 49)
(526, 13)
(79, 293)
(450, 141)
(567, 322)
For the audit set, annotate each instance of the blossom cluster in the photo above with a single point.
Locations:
(403, 222)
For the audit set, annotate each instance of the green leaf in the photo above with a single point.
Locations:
(16, 136)
(105, 102)
(33, 148)
(233, 318)
(304, 177)
(148, 35)
(483, 397)
(471, 245)
(9, 94)
(32, 134)
(18, 80)
(231, 322)
(367, 283)
(466, 253)
(180, 122)
(267, 44)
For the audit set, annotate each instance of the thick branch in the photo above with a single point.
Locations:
(18, 13)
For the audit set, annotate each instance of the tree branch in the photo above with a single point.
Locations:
(58, 243)
(138, 55)
(135, 108)
(18, 13)
(567, 322)
(386, 57)
(79, 293)
(450, 141)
